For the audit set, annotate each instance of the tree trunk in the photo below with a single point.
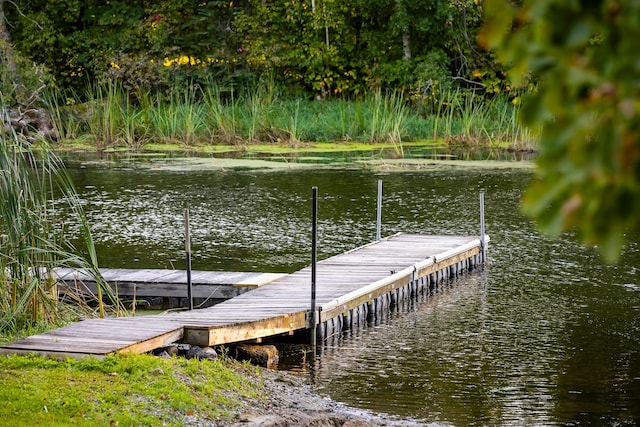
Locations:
(6, 48)
(406, 45)
(403, 20)
(33, 122)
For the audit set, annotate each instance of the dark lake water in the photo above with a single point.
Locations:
(546, 335)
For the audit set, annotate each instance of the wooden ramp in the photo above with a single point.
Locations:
(99, 337)
(351, 287)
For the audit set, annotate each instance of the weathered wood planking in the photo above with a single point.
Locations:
(348, 287)
(99, 337)
(345, 282)
(166, 283)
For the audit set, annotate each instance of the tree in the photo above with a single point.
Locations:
(584, 55)
(8, 64)
(5, 42)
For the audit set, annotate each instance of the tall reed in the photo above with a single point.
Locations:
(195, 115)
(471, 119)
(221, 116)
(33, 185)
(179, 117)
(105, 116)
(134, 130)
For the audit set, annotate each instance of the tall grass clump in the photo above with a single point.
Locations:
(180, 117)
(106, 114)
(222, 116)
(470, 119)
(33, 186)
(387, 119)
(67, 123)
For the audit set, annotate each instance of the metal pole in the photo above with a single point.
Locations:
(187, 245)
(314, 254)
(482, 239)
(379, 212)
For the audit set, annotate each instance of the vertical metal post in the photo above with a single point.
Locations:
(379, 212)
(314, 255)
(482, 239)
(187, 246)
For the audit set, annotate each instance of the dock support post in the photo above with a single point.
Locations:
(379, 212)
(314, 255)
(187, 245)
(482, 238)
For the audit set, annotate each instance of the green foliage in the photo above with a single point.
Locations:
(23, 88)
(125, 390)
(326, 48)
(585, 55)
(33, 188)
(83, 42)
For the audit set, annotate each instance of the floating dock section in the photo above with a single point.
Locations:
(351, 287)
(170, 286)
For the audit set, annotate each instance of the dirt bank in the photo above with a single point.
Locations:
(288, 401)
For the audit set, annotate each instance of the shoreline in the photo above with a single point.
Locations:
(295, 403)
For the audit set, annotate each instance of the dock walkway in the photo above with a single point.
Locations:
(351, 287)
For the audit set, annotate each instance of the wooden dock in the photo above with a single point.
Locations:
(158, 283)
(352, 287)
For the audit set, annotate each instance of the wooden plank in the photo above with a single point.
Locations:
(245, 331)
(154, 342)
(261, 280)
(37, 346)
(166, 290)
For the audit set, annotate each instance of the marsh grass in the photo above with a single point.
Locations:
(473, 120)
(33, 187)
(206, 115)
(221, 116)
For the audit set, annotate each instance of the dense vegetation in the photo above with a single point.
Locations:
(322, 48)
(126, 73)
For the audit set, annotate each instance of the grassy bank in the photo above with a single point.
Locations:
(206, 116)
(132, 390)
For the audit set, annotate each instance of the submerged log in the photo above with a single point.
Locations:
(261, 355)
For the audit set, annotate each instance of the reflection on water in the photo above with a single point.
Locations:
(547, 334)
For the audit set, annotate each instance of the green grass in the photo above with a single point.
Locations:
(205, 116)
(122, 390)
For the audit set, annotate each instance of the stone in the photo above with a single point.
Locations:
(201, 353)
(193, 352)
(208, 353)
(172, 350)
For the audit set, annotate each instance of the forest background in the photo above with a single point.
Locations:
(246, 71)
(323, 48)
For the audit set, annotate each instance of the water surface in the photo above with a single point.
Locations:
(546, 335)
